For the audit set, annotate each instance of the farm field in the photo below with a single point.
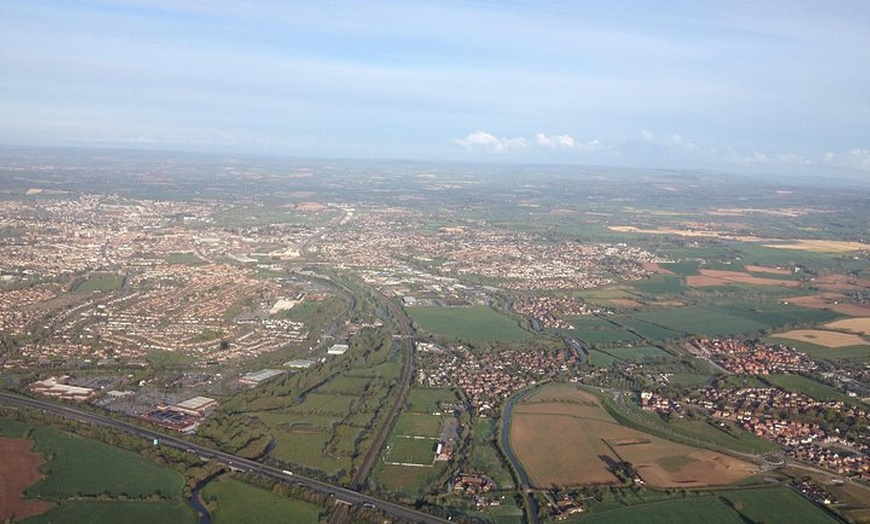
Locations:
(639, 353)
(829, 339)
(701, 321)
(792, 508)
(75, 466)
(19, 469)
(132, 512)
(856, 325)
(708, 509)
(232, 501)
(468, 323)
(408, 480)
(419, 425)
(426, 400)
(714, 277)
(540, 422)
(604, 337)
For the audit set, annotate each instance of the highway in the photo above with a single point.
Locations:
(340, 494)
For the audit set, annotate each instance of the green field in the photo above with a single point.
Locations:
(601, 359)
(604, 337)
(412, 450)
(77, 466)
(650, 331)
(471, 323)
(235, 502)
(132, 512)
(661, 285)
(101, 283)
(407, 480)
(639, 353)
(425, 400)
(723, 434)
(821, 352)
(701, 321)
(708, 509)
(777, 506)
(416, 424)
(187, 258)
(807, 386)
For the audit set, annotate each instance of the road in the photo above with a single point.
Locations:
(349, 496)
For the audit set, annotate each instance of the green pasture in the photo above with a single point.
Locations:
(410, 481)
(187, 258)
(419, 425)
(604, 336)
(426, 400)
(650, 331)
(639, 353)
(468, 323)
(807, 386)
(701, 321)
(601, 359)
(777, 506)
(661, 285)
(101, 283)
(777, 314)
(307, 448)
(235, 502)
(412, 450)
(128, 512)
(346, 385)
(706, 509)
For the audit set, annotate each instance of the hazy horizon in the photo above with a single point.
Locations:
(739, 88)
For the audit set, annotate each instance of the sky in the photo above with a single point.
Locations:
(772, 85)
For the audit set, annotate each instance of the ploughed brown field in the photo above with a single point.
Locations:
(19, 468)
(564, 437)
(715, 277)
(855, 325)
(830, 301)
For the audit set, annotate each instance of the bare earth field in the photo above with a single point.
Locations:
(769, 270)
(19, 468)
(822, 246)
(655, 268)
(860, 326)
(830, 301)
(625, 302)
(830, 339)
(564, 437)
(715, 277)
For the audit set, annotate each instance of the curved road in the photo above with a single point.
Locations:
(348, 496)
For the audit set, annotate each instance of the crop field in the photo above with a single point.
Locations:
(702, 321)
(710, 510)
(78, 466)
(640, 353)
(540, 423)
(132, 512)
(792, 508)
(828, 339)
(713, 277)
(237, 502)
(806, 386)
(19, 468)
(346, 385)
(776, 314)
(722, 433)
(322, 403)
(419, 425)
(412, 450)
(471, 323)
(855, 325)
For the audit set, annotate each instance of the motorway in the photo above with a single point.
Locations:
(347, 496)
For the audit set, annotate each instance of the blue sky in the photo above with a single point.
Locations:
(777, 85)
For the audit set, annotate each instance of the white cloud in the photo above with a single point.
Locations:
(855, 158)
(567, 142)
(489, 142)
